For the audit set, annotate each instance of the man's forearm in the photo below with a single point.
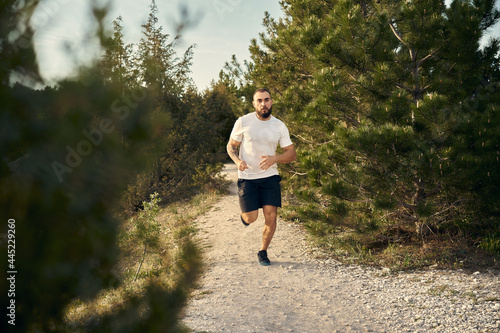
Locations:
(232, 151)
(287, 157)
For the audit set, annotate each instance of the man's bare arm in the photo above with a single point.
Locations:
(289, 155)
(232, 151)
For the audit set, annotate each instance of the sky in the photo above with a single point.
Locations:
(219, 28)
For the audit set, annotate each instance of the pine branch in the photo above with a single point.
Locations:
(359, 186)
(303, 139)
(406, 216)
(360, 190)
(397, 34)
(430, 55)
(402, 86)
(354, 200)
(452, 205)
(407, 206)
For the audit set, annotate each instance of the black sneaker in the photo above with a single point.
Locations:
(263, 259)
(243, 221)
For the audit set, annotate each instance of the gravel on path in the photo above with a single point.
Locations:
(300, 293)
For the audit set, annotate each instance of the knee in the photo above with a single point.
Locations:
(250, 216)
(271, 216)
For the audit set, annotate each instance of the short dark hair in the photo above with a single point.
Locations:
(261, 90)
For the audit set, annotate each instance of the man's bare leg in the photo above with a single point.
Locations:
(270, 215)
(250, 217)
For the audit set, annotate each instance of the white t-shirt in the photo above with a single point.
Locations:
(259, 138)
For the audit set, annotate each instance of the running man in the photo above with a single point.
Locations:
(257, 135)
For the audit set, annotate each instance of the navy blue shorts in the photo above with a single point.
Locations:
(256, 193)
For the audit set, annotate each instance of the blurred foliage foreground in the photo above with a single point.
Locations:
(151, 298)
(80, 158)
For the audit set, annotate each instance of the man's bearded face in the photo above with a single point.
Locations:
(263, 105)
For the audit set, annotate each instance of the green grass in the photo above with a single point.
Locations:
(161, 264)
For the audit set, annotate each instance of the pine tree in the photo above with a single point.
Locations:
(394, 105)
(157, 62)
(117, 65)
(237, 79)
(154, 71)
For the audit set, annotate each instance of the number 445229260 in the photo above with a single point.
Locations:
(12, 244)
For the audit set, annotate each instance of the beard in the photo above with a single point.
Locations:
(264, 113)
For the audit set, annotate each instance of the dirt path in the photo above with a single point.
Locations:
(292, 295)
(298, 293)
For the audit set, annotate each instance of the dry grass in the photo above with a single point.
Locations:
(159, 265)
(398, 247)
(440, 251)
